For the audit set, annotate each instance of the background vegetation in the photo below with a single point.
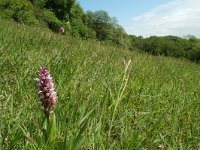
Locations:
(95, 25)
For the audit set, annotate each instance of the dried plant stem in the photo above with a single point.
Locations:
(121, 91)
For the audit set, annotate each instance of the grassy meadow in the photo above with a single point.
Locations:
(103, 101)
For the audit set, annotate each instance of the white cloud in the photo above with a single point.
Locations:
(178, 17)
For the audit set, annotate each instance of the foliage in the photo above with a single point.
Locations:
(20, 11)
(194, 53)
(168, 46)
(95, 25)
(53, 23)
(61, 8)
(102, 104)
(106, 28)
(39, 3)
(69, 14)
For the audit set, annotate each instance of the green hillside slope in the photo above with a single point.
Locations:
(102, 102)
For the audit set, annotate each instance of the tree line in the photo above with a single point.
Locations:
(95, 25)
(188, 47)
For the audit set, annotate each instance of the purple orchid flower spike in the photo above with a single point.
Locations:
(61, 30)
(46, 92)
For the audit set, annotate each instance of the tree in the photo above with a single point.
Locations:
(194, 53)
(61, 8)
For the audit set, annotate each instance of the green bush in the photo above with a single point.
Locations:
(25, 16)
(194, 54)
(91, 33)
(67, 27)
(39, 3)
(19, 10)
(53, 23)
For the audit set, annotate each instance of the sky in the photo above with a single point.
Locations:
(151, 17)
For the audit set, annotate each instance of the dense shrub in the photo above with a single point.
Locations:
(53, 22)
(194, 53)
(39, 3)
(19, 10)
(168, 46)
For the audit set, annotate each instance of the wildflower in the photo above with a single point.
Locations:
(94, 54)
(61, 30)
(46, 92)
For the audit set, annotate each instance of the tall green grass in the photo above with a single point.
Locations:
(151, 104)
